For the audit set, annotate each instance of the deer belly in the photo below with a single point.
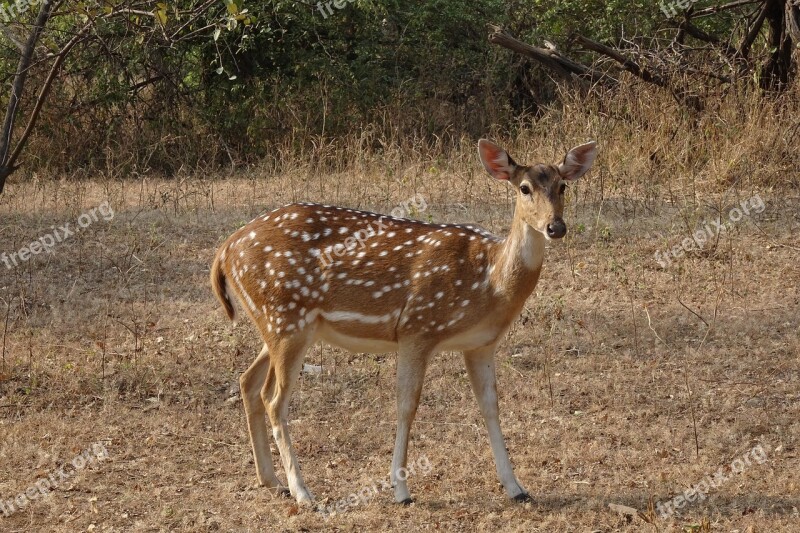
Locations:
(478, 336)
(359, 332)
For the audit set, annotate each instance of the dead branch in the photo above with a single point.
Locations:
(716, 9)
(744, 50)
(552, 59)
(699, 34)
(626, 63)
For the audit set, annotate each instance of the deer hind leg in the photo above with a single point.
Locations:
(284, 370)
(411, 365)
(481, 370)
(250, 385)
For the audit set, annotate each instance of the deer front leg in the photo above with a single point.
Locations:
(481, 370)
(411, 365)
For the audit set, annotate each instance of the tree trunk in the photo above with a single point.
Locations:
(777, 70)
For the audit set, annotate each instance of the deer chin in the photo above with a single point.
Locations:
(543, 231)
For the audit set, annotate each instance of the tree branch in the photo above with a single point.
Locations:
(17, 87)
(744, 50)
(60, 57)
(627, 64)
(552, 59)
(716, 9)
(699, 34)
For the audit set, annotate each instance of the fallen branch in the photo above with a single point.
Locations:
(626, 63)
(716, 9)
(699, 34)
(552, 59)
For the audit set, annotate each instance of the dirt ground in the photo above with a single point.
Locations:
(624, 384)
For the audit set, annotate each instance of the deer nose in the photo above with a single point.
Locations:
(556, 229)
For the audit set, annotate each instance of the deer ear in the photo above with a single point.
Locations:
(578, 161)
(496, 160)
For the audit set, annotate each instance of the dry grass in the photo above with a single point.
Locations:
(615, 371)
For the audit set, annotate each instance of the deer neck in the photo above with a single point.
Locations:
(518, 260)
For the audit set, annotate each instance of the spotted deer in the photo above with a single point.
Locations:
(392, 285)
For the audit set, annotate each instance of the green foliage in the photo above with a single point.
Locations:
(154, 78)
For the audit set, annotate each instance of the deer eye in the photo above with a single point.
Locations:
(562, 188)
(524, 189)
